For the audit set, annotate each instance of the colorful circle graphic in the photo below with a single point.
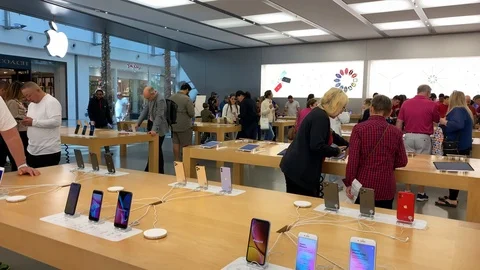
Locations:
(346, 79)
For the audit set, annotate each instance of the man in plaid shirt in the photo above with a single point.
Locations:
(376, 150)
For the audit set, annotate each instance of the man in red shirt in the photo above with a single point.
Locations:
(376, 150)
(468, 99)
(418, 114)
(443, 107)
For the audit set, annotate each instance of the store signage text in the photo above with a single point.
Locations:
(133, 66)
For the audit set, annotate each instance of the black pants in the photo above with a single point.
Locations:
(161, 166)
(248, 132)
(43, 160)
(294, 188)
(453, 193)
(24, 137)
(3, 152)
(387, 204)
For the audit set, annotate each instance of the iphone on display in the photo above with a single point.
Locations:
(406, 207)
(306, 252)
(72, 198)
(95, 205)
(363, 254)
(94, 160)
(258, 241)
(2, 171)
(226, 179)
(84, 130)
(202, 177)
(180, 172)
(109, 162)
(367, 202)
(79, 159)
(122, 214)
(79, 123)
(331, 197)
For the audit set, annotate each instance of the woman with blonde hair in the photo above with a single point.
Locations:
(303, 160)
(14, 100)
(457, 128)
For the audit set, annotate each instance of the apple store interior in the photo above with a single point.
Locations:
(239, 134)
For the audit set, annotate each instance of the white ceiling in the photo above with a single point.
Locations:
(226, 24)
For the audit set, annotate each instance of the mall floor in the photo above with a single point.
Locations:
(260, 177)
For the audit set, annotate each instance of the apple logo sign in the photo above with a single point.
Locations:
(57, 42)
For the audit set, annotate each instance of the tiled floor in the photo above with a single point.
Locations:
(262, 177)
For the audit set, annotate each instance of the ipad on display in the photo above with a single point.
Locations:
(453, 166)
(210, 145)
(249, 147)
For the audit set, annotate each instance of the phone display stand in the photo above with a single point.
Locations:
(180, 184)
(99, 222)
(242, 264)
(126, 230)
(334, 210)
(211, 189)
(76, 215)
(370, 216)
(201, 188)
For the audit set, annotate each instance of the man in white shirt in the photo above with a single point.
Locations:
(122, 105)
(44, 118)
(9, 132)
(292, 107)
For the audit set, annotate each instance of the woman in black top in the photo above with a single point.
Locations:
(366, 110)
(302, 163)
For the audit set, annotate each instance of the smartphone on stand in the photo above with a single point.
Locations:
(367, 202)
(363, 254)
(79, 159)
(201, 177)
(122, 213)
(92, 130)
(406, 207)
(258, 241)
(306, 252)
(95, 205)
(2, 171)
(226, 179)
(94, 160)
(72, 198)
(109, 162)
(180, 173)
(84, 130)
(331, 197)
(77, 128)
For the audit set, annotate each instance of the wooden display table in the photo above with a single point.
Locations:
(282, 125)
(219, 129)
(103, 138)
(419, 171)
(210, 231)
(354, 117)
(348, 127)
(126, 125)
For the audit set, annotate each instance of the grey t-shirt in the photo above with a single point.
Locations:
(292, 108)
(185, 112)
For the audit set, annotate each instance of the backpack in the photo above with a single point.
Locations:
(171, 112)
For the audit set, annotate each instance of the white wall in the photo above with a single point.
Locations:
(228, 70)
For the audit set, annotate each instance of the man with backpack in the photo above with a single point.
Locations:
(155, 110)
(182, 128)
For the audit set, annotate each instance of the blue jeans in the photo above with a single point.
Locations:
(268, 133)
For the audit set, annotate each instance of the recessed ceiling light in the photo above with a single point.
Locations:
(444, 3)
(455, 20)
(381, 6)
(227, 23)
(306, 33)
(270, 18)
(266, 36)
(165, 3)
(399, 25)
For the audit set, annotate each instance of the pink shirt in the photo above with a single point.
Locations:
(418, 115)
(303, 113)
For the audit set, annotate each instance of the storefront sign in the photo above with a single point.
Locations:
(57, 42)
(14, 62)
(133, 66)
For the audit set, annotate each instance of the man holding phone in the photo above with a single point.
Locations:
(376, 150)
(9, 132)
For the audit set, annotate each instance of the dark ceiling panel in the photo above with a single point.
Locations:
(249, 30)
(197, 12)
(85, 21)
(243, 7)
(452, 11)
(290, 26)
(397, 16)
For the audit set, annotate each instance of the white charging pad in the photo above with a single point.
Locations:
(115, 189)
(302, 204)
(18, 198)
(154, 234)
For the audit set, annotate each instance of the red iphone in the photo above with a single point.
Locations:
(405, 206)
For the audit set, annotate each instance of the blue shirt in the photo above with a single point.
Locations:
(459, 128)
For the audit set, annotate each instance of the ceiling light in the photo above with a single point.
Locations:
(165, 3)
(306, 33)
(381, 6)
(455, 20)
(266, 36)
(227, 23)
(399, 25)
(444, 3)
(270, 18)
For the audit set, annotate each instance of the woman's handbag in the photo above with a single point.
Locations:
(264, 123)
(451, 147)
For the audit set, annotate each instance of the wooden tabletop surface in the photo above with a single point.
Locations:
(211, 231)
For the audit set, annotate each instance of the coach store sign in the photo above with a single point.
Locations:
(14, 62)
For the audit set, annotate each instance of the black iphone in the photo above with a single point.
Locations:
(72, 199)
(96, 205)
(77, 128)
(79, 159)
(84, 130)
(122, 214)
(92, 130)
(109, 162)
(94, 160)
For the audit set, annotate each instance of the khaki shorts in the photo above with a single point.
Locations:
(183, 138)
